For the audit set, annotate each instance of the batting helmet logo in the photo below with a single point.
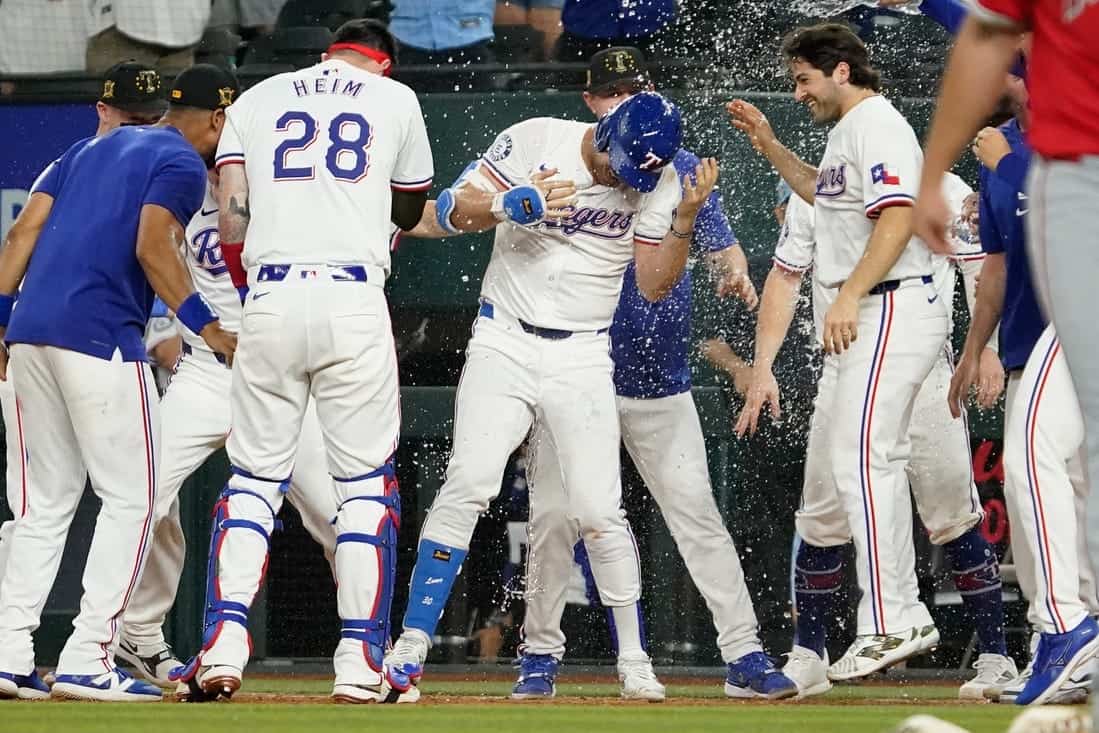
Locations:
(652, 162)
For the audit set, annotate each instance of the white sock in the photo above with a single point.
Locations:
(626, 629)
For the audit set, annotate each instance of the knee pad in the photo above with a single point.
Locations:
(372, 519)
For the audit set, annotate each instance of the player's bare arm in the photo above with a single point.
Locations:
(982, 55)
(659, 268)
(891, 235)
(16, 253)
(234, 213)
(801, 176)
(776, 313)
(722, 356)
(990, 372)
(729, 268)
(159, 238)
(475, 210)
(986, 317)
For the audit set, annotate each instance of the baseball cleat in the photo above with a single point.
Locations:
(993, 670)
(219, 681)
(404, 666)
(808, 671)
(638, 680)
(152, 662)
(927, 724)
(754, 676)
(366, 694)
(114, 686)
(23, 686)
(537, 677)
(872, 653)
(1058, 656)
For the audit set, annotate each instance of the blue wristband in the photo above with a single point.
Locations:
(524, 205)
(195, 313)
(7, 302)
(444, 205)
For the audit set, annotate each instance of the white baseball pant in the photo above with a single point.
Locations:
(313, 332)
(1046, 492)
(194, 423)
(511, 380)
(15, 475)
(81, 416)
(664, 438)
(861, 423)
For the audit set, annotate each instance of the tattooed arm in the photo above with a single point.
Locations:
(233, 220)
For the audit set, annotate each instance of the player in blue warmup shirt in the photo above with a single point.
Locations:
(661, 430)
(109, 217)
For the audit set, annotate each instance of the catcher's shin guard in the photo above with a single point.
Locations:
(242, 507)
(379, 514)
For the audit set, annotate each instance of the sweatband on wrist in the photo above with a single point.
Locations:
(7, 302)
(195, 313)
(444, 206)
(231, 253)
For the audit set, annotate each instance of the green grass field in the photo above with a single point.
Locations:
(274, 705)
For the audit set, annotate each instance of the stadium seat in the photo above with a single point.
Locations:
(331, 14)
(298, 47)
(517, 43)
(219, 47)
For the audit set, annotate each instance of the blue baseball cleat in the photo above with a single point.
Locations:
(537, 673)
(114, 686)
(754, 676)
(23, 686)
(1058, 656)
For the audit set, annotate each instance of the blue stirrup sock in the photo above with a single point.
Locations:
(437, 566)
(977, 578)
(818, 574)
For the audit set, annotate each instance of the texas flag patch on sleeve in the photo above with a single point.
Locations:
(880, 174)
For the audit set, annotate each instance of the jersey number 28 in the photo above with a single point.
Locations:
(349, 136)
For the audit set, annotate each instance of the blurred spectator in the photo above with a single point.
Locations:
(251, 17)
(592, 25)
(331, 13)
(39, 37)
(443, 32)
(161, 33)
(543, 16)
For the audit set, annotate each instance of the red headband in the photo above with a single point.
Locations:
(371, 53)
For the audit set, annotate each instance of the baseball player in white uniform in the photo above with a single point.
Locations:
(540, 351)
(939, 467)
(884, 331)
(195, 423)
(350, 153)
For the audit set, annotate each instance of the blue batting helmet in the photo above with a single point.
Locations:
(642, 135)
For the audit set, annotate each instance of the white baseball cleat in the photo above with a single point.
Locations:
(114, 686)
(874, 652)
(404, 666)
(219, 681)
(152, 662)
(992, 670)
(808, 671)
(927, 724)
(379, 693)
(638, 680)
(1052, 719)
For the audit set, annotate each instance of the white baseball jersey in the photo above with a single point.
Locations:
(208, 271)
(872, 161)
(567, 275)
(797, 250)
(322, 148)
